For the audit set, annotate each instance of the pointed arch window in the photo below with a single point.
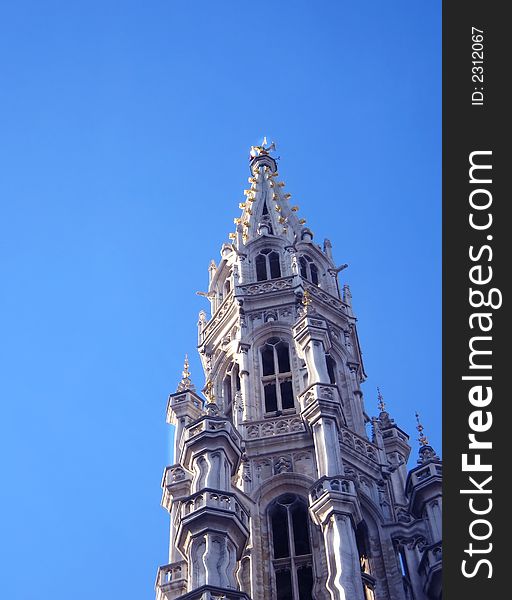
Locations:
(308, 269)
(267, 265)
(291, 548)
(276, 376)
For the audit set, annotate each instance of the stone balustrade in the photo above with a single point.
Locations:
(273, 427)
(350, 440)
(332, 484)
(214, 500)
(262, 287)
(218, 318)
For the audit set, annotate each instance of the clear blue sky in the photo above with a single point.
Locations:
(124, 131)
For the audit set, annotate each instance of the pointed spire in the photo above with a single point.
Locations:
(266, 210)
(185, 383)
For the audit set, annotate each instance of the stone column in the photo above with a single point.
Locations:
(344, 580)
(335, 507)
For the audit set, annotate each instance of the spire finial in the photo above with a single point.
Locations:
(262, 149)
(185, 383)
(422, 438)
(381, 405)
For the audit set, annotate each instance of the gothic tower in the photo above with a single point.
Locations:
(277, 491)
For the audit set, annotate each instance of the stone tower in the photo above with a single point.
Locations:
(277, 492)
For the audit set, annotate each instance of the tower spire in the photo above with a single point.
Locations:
(186, 382)
(266, 209)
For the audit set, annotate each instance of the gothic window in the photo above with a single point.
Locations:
(363, 547)
(267, 265)
(276, 376)
(291, 548)
(308, 269)
(331, 368)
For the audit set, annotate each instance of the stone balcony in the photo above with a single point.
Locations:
(171, 581)
(418, 476)
(211, 510)
(334, 495)
(423, 484)
(216, 500)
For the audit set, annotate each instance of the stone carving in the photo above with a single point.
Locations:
(283, 464)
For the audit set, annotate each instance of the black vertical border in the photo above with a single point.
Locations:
(468, 128)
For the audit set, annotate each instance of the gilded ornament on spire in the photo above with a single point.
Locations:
(422, 438)
(185, 383)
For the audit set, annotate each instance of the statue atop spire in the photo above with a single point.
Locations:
(426, 452)
(381, 405)
(422, 438)
(262, 150)
(185, 383)
(384, 417)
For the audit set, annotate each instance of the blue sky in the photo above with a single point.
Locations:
(125, 128)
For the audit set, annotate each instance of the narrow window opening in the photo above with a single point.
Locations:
(267, 358)
(331, 368)
(283, 357)
(275, 267)
(261, 267)
(270, 397)
(280, 532)
(284, 585)
(300, 529)
(314, 273)
(303, 267)
(287, 394)
(305, 579)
